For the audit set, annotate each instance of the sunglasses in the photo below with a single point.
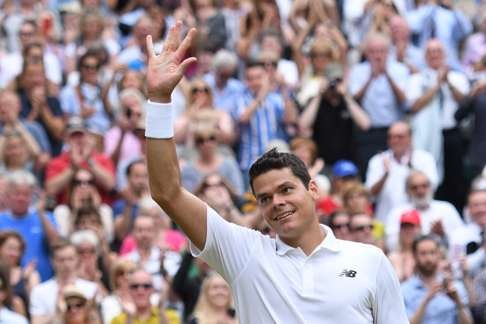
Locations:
(145, 286)
(362, 228)
(340, 226)
(419, 185)
(90, 67)
(196, 90)
(270, 63)
(75, 306)
(129, 113)
(202, 140)
(86, 251)
(77, 182)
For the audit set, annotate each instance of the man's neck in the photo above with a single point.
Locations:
(143, 312)
(428, 278)
(309, 241)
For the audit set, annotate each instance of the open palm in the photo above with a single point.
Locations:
(164, 71)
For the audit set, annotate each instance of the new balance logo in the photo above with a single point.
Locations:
(348, 273)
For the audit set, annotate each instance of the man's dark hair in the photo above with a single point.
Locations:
(274, 160)
(251, 63)
(421, 238)
(132, 164)
(58, 245)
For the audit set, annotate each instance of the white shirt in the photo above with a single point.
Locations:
(44, 297)
(393, 193)
(11, 67)
(339, 282)
(467, 234)
(437, 210)
(9, 317)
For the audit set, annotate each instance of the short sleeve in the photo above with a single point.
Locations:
(38, 303)
(228, 246)
(388, 305)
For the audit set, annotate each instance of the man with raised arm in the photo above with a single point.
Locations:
(304, 275)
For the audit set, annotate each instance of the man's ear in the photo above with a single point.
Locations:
(313, 189)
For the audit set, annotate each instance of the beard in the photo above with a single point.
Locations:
(421, 202)
(427, 269)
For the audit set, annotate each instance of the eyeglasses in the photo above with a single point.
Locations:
(196, 90)
(320, 55)
(26, 33)
(124, 272)
(361, 228)
(90, 67)
(145, 286)
(340, 226)
(397, 136)
(78, 182)
(202, 140)
(75, 306)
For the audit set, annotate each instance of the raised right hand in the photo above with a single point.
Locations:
(164, 71)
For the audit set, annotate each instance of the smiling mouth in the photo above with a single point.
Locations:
(283, 216)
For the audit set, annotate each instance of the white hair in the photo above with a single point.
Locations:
(21, 177)
(84, 236)
(131, 92)
(224, 58)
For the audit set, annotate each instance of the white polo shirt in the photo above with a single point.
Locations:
(339, 282)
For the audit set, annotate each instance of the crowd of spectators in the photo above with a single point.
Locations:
(383, 100)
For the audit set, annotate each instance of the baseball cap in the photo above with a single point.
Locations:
(72, 291)
(75, 124)
(344, 168)
(410, 217)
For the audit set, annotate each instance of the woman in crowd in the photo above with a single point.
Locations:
(215, 304)
(200, 112)
(93, 259)
(22, 279)
(75, 308)
(111, 305)
(402, 258)
(209, 160)
(83, 193)
(6, 314)
(339, 223)
(17, 154)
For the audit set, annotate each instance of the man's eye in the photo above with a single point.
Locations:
(264, 200)
(287, 189)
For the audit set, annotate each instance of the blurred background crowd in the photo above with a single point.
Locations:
(384, 101)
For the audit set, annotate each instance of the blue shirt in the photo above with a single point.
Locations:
(379, 100)
(265, 125)
(30, 228)
(440, 310)
(225, 99)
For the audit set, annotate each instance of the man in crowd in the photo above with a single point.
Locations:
(431, 296)
(434, 95)
(436, 216)
(472, 238)
(378, 85)
(285, 279)
(80, 154)
(45, 298)
(142, 311)
(388, 171)
(35, 225)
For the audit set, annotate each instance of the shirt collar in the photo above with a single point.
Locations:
(330, 242)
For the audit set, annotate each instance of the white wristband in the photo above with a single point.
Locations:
(158, 120)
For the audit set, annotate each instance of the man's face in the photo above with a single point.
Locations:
(144, 231)
(477, 207)
(78, 139)
(254, 78)
(399, 29)
(20, 198)
(65, 261)
(361, 228)
(89, 69)
(419, 190)
(434, 55)
(376, 53)
(141, 288)
(9, 107)
(27, 34)
(138, 178)
(285, 203)
(399, 140)
(427, 257)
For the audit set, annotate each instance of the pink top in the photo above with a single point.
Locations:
(172, 239)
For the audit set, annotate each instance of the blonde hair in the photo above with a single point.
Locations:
(203, 310)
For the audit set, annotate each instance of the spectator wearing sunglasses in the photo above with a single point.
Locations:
(339, 223)
(361, 229)
(141, 289)
(200, 112)
(77, 308)
(124, 141)
(210, 160)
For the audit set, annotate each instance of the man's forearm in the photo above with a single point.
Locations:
(103, 177)
(360, 94)
(378, 186)
(463, 314)
(422, 101)
(396, 90)
(51, 233)
(59, 182)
